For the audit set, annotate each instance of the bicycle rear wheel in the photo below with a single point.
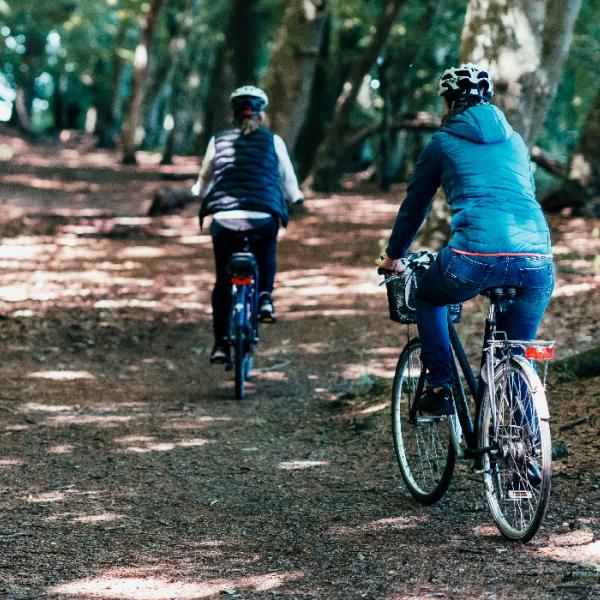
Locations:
(517, 468)
(425, 454)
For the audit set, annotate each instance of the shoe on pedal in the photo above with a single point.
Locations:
(266, 311)
(220, 354)
(436, 403)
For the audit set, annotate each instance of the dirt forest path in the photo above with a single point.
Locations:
(128, 472)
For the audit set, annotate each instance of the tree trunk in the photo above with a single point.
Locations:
(384, 175)
(178, 54)
(401, 79)
(189, 91)
(326, 172)
(21, 113)
(524, 44)
(117, 73)
(140, 79)
(321, 106)
(244, 40)
(60, 95)
(581, 191)
(236, 63)
(31, 65)
(102, 101)
(293, 65)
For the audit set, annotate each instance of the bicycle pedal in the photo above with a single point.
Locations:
(422, 420)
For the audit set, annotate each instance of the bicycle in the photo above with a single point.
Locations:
(504, 429)
(243, 320)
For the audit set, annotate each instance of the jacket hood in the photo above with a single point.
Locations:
(483, 124)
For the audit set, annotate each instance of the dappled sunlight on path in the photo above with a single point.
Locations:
(154, 588)
(128, 470)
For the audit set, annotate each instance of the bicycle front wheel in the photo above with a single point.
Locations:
(425, 454)
(517, 467)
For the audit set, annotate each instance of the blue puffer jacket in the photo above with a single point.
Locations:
(483, 166)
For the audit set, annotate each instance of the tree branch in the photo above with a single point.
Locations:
(552, 165)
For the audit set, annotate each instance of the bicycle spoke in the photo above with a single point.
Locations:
(422, 445)
(518, 487)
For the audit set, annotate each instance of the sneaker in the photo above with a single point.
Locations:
(437, 404)
(220, 354)
(266, 312)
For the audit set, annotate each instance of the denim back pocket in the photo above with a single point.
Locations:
(468, 270)
(537, 277)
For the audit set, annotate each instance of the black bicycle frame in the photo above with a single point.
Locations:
(475, 384)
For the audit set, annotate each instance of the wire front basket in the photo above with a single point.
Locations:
(402, 290)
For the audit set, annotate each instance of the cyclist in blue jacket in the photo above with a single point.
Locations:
(245, 178)
(499, 235)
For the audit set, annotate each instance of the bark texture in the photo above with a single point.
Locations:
(524, 44)
(292, 73)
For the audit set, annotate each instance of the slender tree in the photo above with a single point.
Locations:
(321, 104)
(140, 79)
(236, 63)
(524, 43)
(179, 52)
(326, 170)
(293, 65)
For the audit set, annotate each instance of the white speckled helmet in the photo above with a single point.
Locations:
(466, 81)
(249, 98)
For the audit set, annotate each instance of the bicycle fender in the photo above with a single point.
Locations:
(539, 396)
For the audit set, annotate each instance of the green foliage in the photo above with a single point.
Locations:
(83, 50)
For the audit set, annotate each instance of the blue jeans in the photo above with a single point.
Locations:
(458, 277)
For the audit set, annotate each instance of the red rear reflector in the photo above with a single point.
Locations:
(241, 280)
(539, 352)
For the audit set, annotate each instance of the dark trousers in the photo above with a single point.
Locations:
(263, 244)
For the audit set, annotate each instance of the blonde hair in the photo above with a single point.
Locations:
(250, 124)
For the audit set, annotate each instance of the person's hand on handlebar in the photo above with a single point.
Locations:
(389, 264)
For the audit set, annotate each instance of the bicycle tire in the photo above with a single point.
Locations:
(424, 451)
(239, 362)
(248, 364)
(516, 428)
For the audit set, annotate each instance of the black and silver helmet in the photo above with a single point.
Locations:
(465, 82)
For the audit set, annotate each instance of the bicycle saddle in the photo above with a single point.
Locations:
(500, 294)
(242, 263)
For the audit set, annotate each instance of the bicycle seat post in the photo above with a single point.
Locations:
(500, 299)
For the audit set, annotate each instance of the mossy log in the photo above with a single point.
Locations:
(583, 364)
